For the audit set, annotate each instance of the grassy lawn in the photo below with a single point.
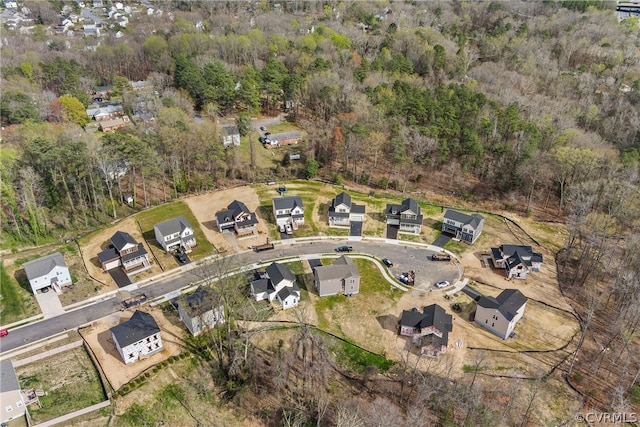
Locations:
(17, 302)
(356, 358)
(69, 380)
(148, 219)
(375, 291)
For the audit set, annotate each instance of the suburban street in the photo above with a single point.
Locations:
(404, 257)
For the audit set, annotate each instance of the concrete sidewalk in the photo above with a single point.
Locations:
(74, 414)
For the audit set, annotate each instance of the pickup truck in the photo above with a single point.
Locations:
(440, 257)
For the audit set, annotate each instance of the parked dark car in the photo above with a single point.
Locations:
(344, 249)
(182, 258)
(262, 128)
(387, 262)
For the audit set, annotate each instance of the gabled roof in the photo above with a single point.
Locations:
(285, 293)
(278, 272)
(260, 285)
(8, 378)
(508, 302)
(287, 202)
(140, 326)
(237, 207)
(471, 220)
(198, 302)
(173, 225)
(515, 260)
(341, 199)
(135, 254)
(431, 316)
(524, 252)
(121, 239)
(41, 266)
(341, 268)
(410, 205)
(230, 130)
(285, 135)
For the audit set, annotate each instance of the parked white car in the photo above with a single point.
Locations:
(442, 284)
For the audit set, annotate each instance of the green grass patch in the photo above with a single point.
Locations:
(16, 303)
(149, 218)
(457, 248)
(358, 359)
(470, 369)
(69, 379)
(634, 394)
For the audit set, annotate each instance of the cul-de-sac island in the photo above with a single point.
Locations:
(331, 213)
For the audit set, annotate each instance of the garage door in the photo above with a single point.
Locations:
(112, 264)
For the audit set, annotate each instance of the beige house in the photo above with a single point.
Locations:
(10, 396)
(341, 277)
(501, 314)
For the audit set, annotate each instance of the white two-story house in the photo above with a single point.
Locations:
(343, 211)
(277, 283)
(517, 261)
(137, 338)
(48, 271)
(406, 216)
(288, 210)
(175, 233)
(126, 253)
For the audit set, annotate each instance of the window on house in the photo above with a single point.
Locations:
(157, 345)
(19, 404)
(149, 348)
(9, 408)
(148, 339)
(131, 355)
(486, 321)
(493, 324)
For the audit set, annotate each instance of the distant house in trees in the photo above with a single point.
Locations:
(466, 228)
(199, 311)
(341, 277)
(516, 260)
(343, 211)
(288, 210)
(237, 217)
(137, 338)
(501, 314)
(126, 253)
(12, 403)
(428, 330)
(103, 112)
(47, 272)
(230, 135)
(406, 216)
(113, 124)
(281, 139)
(175, 233)
(277, 283)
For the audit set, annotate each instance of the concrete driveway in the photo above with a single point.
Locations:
(49, 304)
(442, 240)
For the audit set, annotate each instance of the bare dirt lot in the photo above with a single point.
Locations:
(99, 339)
(205, 206)
(91, 245)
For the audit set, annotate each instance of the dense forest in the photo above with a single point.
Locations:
(529, 106)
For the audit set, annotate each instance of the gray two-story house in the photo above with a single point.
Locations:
(341, 277)
(407, 216)
(466, 228)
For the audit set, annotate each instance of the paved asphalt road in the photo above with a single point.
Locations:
(404, 258)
